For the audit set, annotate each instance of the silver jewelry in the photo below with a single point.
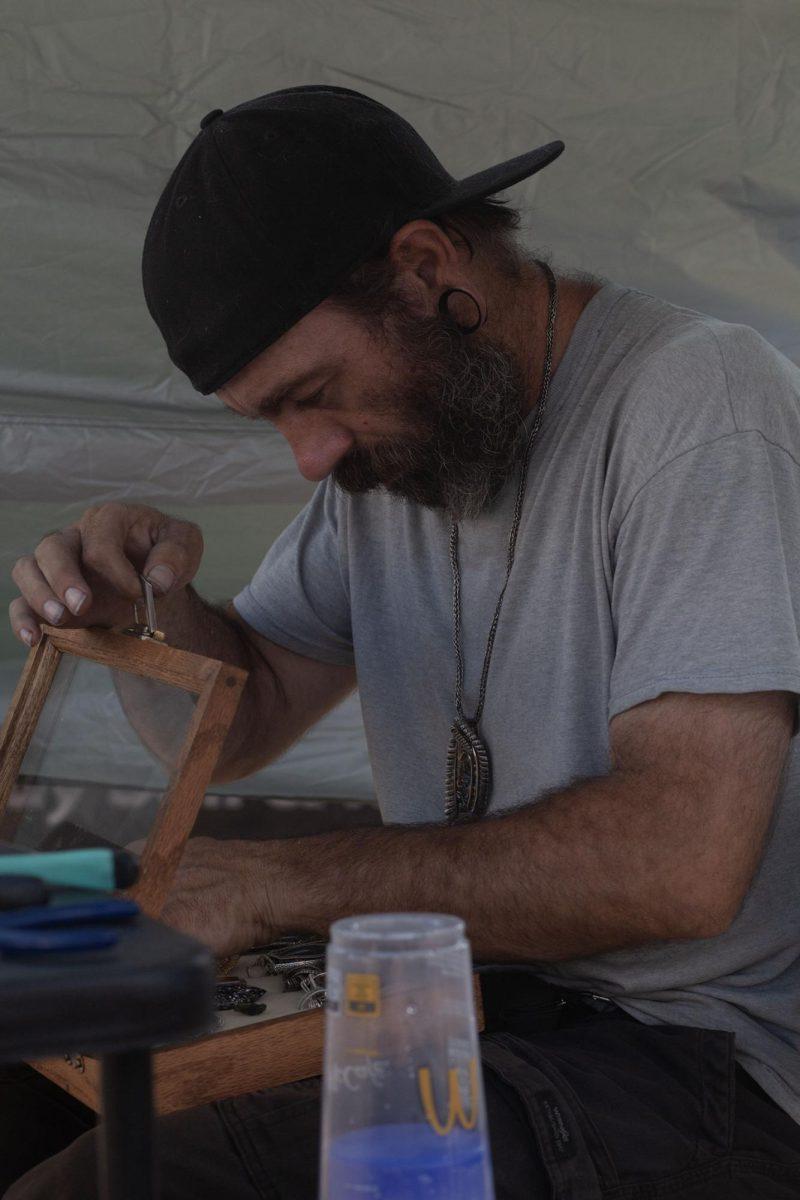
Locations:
(293, 980)
(235, 993)
(313, 1000)
(314, 981)
(286, 953)
(310, 956)
(469, 773)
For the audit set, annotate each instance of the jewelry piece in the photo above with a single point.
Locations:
(313, 1000)
(445, 311)
(468, 779)
(283, 947)
(145, 630)
(314, 981)
(250, 1010)
(231, 995)
(297, 959)
(77, 1061)
(469, 771)
(293, 981)
(288, 959)
(295, 964)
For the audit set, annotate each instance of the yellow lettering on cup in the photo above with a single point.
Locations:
(455, 1108)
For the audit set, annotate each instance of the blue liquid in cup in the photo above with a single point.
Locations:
(408, 1162)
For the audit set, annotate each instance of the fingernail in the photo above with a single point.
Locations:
(75, 599)
(53, 611)
(26, 636)
(162, 578)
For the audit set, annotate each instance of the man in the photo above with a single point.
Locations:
(557, 546)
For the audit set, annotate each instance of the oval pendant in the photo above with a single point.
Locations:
(469, 774)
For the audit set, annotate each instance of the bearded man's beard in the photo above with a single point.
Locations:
(464, 404)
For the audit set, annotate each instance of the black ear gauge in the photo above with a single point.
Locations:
(445, 311)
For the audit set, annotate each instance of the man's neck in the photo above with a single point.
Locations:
(527, 304)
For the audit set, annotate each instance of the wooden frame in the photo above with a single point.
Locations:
(218, 687)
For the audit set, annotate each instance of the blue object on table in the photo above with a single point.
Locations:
(407, 1162)
(64, 927)
(34, 941)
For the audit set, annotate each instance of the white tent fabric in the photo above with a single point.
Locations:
(682, 127)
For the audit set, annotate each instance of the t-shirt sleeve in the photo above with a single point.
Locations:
(706, 575)
(298, 597)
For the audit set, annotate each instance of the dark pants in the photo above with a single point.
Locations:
(584, 1103)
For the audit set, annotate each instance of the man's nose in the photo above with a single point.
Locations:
(317, 445)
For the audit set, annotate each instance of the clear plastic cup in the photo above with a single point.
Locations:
(403, 1109)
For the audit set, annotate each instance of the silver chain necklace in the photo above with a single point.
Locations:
(469, 773)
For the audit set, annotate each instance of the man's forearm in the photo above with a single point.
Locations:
(588, 869)
(190, 623)
(663, 847)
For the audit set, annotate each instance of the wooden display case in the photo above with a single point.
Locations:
(245, 1053)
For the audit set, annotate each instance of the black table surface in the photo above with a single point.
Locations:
(155, 987)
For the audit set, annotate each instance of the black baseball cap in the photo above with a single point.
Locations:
(274, 203)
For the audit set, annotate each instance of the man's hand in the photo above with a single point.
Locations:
(88, 573)
(220, 895)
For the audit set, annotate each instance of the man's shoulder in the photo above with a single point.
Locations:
(687, 378)
(763, 385)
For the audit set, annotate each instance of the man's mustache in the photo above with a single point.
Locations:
(385, 463)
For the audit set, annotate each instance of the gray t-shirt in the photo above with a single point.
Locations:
(659, 550)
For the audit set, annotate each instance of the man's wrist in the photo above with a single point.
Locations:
(273, 888)
(296, 883)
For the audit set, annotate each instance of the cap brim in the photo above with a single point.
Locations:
(495, 179)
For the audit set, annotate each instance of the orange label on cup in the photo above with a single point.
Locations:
(362, 995)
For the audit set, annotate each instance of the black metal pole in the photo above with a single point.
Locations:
(127, 1165)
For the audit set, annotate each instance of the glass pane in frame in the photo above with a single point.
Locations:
(103, 753)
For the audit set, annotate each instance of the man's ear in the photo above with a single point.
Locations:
(426, 262)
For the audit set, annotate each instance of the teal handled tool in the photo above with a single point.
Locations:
(97, 868)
